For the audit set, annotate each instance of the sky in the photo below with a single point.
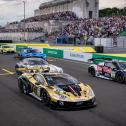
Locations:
(12, 10)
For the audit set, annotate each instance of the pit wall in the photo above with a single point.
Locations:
(72, 53)
(121, 57)
(82, 54)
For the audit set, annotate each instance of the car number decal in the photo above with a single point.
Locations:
(99, 68)
(107, 70)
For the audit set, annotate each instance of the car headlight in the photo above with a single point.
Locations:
(90, 93)
(60, 97)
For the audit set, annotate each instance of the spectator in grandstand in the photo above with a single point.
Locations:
(90, 28)
(85, 29)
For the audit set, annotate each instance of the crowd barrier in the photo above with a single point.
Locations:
(71, 53)
(121, 57)
(6, 41)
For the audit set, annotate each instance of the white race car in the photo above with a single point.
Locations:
(36, 65)
(108, 69)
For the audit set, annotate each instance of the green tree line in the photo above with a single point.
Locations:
(108, 12)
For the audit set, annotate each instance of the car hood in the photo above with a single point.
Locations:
(75, 93)
(8, 48)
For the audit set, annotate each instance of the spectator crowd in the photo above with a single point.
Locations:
(102, 27)
(81, 28)
(64, 16)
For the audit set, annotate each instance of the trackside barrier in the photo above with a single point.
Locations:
(66, 48)
(54, 53)
(84, 57)
(39, 45)
(74, 49)
(68, 53)
(112, 56)
(19, 48)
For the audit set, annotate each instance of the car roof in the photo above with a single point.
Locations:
(54, 74)
(39, 59)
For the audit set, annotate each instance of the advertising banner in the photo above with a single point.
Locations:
(53, 53)
(19, 48)
(84, 57)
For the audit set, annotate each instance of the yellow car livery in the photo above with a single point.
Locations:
(7, 49)
(57, 89)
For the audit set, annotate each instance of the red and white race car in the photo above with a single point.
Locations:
(108, 69)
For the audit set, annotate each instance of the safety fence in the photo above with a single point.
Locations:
(77, 56)
(82, 54)
(119, 42)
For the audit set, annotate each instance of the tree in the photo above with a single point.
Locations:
(107, 12)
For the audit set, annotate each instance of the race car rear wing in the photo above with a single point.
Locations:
(97, 60)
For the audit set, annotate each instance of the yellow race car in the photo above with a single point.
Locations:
(7, 49)
(57, 89)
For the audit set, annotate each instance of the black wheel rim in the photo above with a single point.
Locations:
(24, 89)
(92, 72)
(45, 98)
(120, 78)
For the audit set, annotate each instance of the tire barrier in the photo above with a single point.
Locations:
(6, 41)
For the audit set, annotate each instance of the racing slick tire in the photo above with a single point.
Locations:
(45, 98)
(23, 88)
(120, 78)
(92, 72)
(1, 52)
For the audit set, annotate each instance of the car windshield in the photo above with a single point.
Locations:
(7, 47)
(33, 51)
(122, 65)
(61, 80)
(37, 62)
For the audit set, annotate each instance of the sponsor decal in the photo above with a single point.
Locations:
(84, 57)
(76, 55)
(52, 52)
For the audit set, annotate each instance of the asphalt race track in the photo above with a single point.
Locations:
(17, 109)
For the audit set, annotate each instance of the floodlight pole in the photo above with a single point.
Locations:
(24, 2)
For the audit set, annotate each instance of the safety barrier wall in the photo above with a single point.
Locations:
(54, 53)
(111, 56)
(83, 57)
(58, 53)
(65, 48)
(119, 42)
(68, 54)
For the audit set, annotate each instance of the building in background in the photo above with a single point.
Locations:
(49, 18)
(82, 8)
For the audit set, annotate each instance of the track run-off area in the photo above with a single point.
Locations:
(16, 109)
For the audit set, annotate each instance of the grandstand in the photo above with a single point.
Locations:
(66, 18)
(82, 8)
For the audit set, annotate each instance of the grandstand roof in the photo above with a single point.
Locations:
(54, 3)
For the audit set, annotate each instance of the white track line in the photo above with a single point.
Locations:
(9, 72)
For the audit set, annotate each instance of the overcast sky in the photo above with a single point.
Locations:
(12, 10)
